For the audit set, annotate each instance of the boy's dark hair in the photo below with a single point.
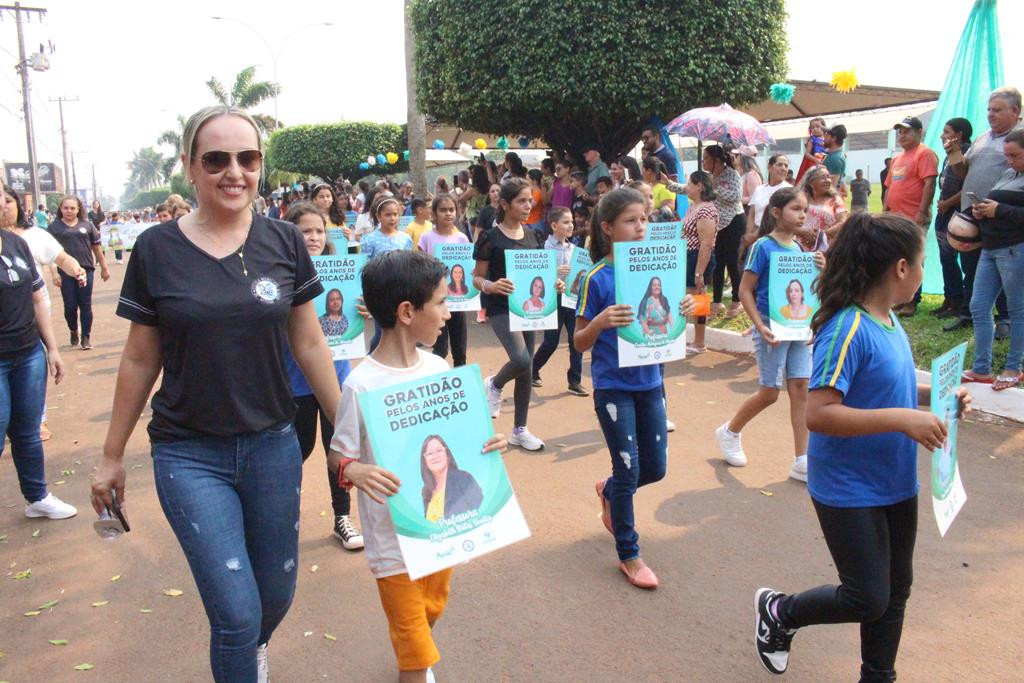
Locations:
(838, 132)
(417, 204)
(557, 213)
(604, 180)
(397, 276)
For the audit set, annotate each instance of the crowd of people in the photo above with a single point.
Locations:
(218, 276)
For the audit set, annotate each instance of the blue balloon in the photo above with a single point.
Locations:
(363, 166)
(438, 144)
(382, 159)
(524, 142)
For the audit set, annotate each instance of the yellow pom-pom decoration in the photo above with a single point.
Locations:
(844, 81)
(392, 158)
(480, 144)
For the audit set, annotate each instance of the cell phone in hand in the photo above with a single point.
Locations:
(112, 522)
(972, 197)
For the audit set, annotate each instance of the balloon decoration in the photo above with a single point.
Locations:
(371, 160)
(782, 93)
(381, 159)
(363, 166)
(502, 143)
(465, 149)
(524, 142)
(392, 158)
(844, 81)
(438, 144)
(405, 155)
(480, 143)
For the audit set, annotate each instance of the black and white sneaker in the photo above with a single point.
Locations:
(74, 338)
(345, 530)
(771, 640)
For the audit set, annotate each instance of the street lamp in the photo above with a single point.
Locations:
(273, 55)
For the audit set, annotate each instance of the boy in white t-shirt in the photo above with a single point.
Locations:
(405, 292)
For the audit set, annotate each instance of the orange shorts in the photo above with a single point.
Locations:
(412, 607)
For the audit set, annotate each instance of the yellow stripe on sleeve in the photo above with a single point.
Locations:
(586, 288)
(846, 345)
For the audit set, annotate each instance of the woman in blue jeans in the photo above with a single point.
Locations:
(214, 298)
(24, 331)
(1001, 267)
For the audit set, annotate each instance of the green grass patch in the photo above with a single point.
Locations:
(927, 340)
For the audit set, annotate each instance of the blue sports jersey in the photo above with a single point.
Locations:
(597, 294)
(299, 385)
(871, 365)
(759, 260)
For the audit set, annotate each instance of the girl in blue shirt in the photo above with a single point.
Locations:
(628, 401)
(865, 427)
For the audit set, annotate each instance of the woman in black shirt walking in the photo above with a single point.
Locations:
(81, 239)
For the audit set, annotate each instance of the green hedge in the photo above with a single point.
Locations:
(330, 150)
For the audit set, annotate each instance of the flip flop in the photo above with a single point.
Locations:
(1007, 382)
(972, 376)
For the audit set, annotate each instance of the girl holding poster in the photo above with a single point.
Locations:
(490, 276)
(866, 427)
(776, 360)
(628, 400)
(311, 223)
(445, 241)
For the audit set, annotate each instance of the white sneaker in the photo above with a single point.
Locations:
(524, 439)
(732, 448)
(430, 676)
(799, 469)
(262, 670)
(493, 396)
(670, 425)
(52, 507)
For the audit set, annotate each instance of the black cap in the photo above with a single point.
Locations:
(910, 122)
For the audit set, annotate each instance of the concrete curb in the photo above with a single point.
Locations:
(1008, 404)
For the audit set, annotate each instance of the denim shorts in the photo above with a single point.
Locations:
(786, 360)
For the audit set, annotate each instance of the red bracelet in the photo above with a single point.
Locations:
(342, 482)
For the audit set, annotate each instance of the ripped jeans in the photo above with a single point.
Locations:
(233, 503)
(633, 423)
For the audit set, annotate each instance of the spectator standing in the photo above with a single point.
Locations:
(835, 160)
(883, 175)
(912, 185)
(860, 188)
(956, 302)
(42, 218)
(595, 168)
(652, 144)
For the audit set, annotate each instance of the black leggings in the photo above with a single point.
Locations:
(305, 429)
(454, 328)
(873, 550)
(77, 301)
(727, 257)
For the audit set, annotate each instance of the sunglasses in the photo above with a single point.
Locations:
(249, 160)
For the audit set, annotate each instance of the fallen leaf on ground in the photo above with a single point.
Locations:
(328, 636)
(766, 493)
(101, 603)
(314, 568)
(679, 384)
(35, 534)
(145, 610)
(33, 613)
(58, 642)
(115, 577)
(323, 513)
(85, 667)
(173, 592)
(48, 605)
(59, 483)
(3, 538)
(307, 634)
(27, 574)
(562, 445)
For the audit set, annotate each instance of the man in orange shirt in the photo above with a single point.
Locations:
(911, 185)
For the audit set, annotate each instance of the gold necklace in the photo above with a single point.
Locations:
(241, 248)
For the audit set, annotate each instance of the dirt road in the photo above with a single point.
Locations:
(552, 608)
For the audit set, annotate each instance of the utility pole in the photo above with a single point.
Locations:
(94, 195)
(74, 177)
(64, 136)
(23, 67)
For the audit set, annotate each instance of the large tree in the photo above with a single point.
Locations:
(146, 169)
(334, 150)
(247, 93)
(579, 71)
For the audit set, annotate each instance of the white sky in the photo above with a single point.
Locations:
(135, 65)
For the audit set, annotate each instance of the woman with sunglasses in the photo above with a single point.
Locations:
(81, 239)
(213, 299)
(24, 331)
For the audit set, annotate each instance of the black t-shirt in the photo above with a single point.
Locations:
(491, 247)
(77, 241)
(485, 219)
(18, 279)
(222, 332)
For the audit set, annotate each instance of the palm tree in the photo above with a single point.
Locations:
(246, 94)
(173, 138)
(147, 168)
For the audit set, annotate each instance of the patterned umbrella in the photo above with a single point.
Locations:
(722, 124)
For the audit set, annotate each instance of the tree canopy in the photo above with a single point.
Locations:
(575, 72)
(333, 150)
(247, 93)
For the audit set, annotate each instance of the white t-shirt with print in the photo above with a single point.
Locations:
(45, 250)
(350, 438)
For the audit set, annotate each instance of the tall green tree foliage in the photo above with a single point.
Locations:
(247, 93)
(579, 71)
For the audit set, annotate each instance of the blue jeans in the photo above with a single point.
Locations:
(22, 395)
(77, 301)
(566, 319)
(633, 423)
(233, 503)
(998, 269)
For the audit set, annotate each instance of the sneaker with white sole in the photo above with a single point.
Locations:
(346, 531)
(771, 640)
(493, 396)
(731, 445)
(522, 437)
(52, 507)
(670, 426)
(262, 669)
(799, 469)
(430, 676)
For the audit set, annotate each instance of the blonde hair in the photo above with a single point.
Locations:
(196, 122)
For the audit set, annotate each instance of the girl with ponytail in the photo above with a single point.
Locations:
(865, 429)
